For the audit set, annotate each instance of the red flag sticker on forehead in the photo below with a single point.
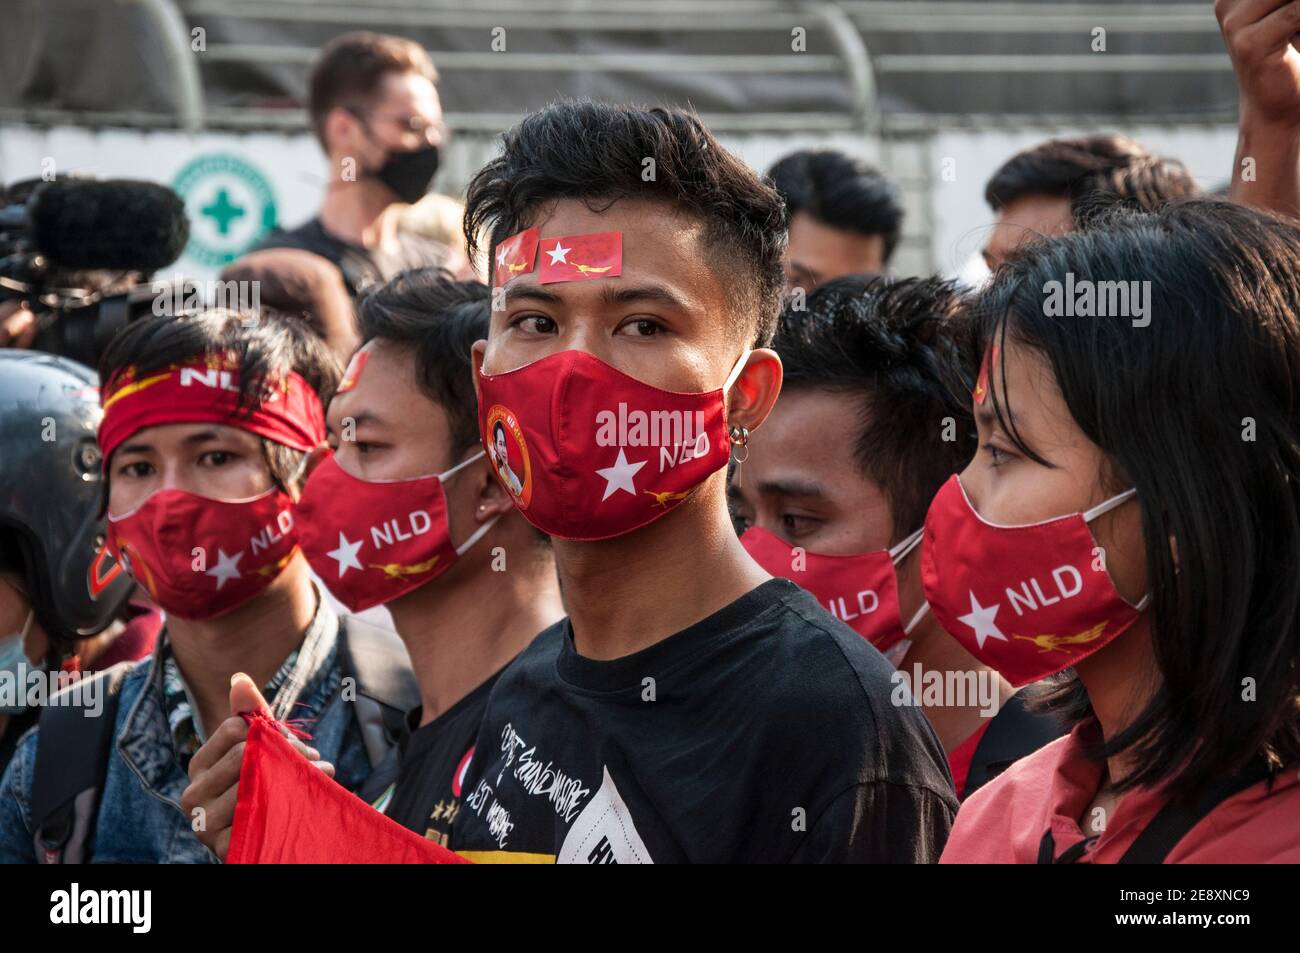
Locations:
(516, 255)
(353, 373)
(981, 391)
(580, 257)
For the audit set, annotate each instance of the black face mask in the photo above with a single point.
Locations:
(409, 174)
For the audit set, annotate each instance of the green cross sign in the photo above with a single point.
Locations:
(223, 211)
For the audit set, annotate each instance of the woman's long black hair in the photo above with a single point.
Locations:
(1200, 411)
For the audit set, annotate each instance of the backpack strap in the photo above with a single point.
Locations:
(1175, 820)
(1014, 732)
(72, 752)
(386, 688)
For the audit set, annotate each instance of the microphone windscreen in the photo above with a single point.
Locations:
(113, 225)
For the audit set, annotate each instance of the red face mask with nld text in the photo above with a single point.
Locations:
(200, 557)
(373, 541)
(860, 590)
(1028, 601)
(588, 452)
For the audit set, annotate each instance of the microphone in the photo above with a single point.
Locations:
(111, 225)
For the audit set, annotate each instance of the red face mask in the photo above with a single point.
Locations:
(859, 590)
(372, 541)
(1028, 601)
(587, 452)
(199, 557)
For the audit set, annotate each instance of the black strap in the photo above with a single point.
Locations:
(1173, 822)
(1168, 827)
(1014, 732)
(72, 752)
(386, 685)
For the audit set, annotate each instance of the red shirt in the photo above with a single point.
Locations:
(960, 757)
(1004, 821)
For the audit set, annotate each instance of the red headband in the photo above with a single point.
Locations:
(206, 390)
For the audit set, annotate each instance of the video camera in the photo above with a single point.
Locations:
(80, 253)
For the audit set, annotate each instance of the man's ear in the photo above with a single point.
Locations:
(492, 499)
(476, 353)
(755, 391)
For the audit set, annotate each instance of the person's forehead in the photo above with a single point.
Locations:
(408, 93)
(165, 437)
(661, 245)
(813, 434)
(1042, 214)
(384, 389)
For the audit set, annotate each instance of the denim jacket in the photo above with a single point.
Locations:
(140, 817)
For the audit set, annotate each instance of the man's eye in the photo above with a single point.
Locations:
(642, 327)
(796, 526)
(997, 456)
(217, 458)
(138, 470)
(536, 324)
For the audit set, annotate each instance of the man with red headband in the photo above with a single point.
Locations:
(208, 420)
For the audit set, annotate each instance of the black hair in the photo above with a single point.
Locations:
(1096, 173)
(267, 346)
(841, 192)
(597, 152)
(1198, 411)
(439, 319)
(891, 345)
(499, 427)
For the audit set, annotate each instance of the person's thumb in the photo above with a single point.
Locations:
(244, 696)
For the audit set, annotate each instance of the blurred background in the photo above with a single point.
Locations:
(206, 96)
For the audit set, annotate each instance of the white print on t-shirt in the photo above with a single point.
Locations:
(564, 792)
(604, 832)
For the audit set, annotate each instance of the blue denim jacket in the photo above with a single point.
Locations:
(140, 818)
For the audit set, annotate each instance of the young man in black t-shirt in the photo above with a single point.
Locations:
(691, 707)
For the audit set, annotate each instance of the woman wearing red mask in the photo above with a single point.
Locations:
(1132, 522)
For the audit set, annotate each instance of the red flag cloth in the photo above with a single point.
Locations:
(516, 255)
(580, 257)
(288, 812)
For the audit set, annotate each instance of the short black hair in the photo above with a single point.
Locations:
(892, 345)
(1168, 404)
(1096, 173)
(439, 319)
(596, 152)
(266, 345)
(842, 192)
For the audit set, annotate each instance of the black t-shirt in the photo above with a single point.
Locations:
(361, 267)
(432, 763)
(762, 733)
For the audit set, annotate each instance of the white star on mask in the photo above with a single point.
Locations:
(619, 476)
(557, 254)
(227, 567)
(346, 555)
(980, 618)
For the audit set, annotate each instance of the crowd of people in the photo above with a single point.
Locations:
(690, 533)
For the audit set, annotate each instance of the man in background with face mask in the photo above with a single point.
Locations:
(208, 419)
(842, 517)
(375, 109)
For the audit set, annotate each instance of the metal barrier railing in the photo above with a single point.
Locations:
(844, 22)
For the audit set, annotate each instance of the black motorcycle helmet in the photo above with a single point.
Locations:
(50, 482)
